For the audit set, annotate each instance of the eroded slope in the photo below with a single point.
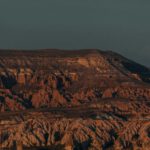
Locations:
(86, 99)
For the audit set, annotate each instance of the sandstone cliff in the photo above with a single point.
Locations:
(84, 99)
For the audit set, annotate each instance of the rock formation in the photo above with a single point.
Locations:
(83, 99)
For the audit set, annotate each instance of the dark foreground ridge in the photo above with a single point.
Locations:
(77, 99)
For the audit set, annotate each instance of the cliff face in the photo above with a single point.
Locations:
(41, 79)
(46, 79)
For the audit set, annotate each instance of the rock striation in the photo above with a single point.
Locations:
(83, 99)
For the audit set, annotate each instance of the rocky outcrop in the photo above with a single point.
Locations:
(76, 133)
(41, 80)
(86, 99)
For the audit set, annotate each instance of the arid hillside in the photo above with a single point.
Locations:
(79, 99)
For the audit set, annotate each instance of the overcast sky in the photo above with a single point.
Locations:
(122, 26)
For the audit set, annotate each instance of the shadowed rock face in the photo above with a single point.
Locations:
(113, 91)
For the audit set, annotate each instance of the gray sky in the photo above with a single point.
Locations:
(123, 26)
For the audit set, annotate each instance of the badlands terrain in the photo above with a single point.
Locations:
(73, 100)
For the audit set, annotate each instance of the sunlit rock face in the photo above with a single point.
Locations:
(115, 88)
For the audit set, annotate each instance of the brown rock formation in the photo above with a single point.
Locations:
(85, 99)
